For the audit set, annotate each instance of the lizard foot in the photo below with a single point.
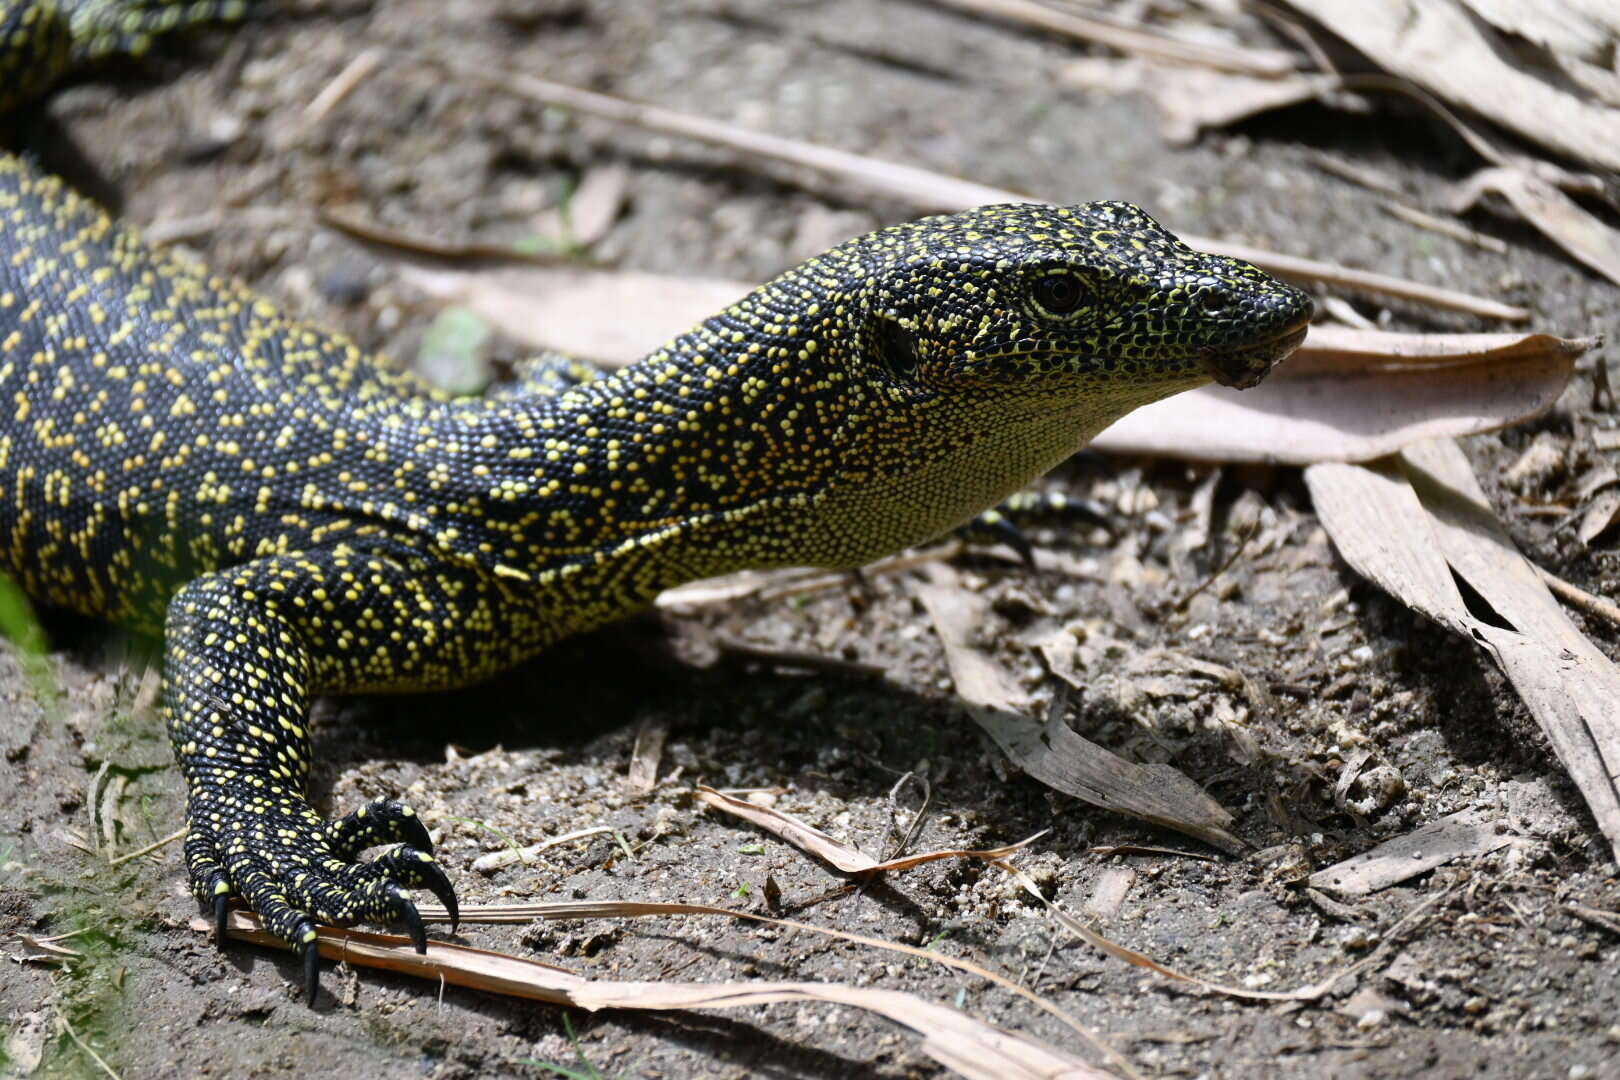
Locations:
(1003, 524)
(296, 870)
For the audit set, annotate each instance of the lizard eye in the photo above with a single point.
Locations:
(1058, 294)
(897, 349)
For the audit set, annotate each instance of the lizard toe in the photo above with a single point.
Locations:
(383, 821)
(298, 871)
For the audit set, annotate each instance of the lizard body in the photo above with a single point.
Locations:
(297, 517)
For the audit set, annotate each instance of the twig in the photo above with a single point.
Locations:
(67, 1025)
(917, 819)
(1577, 597)
(1295, 31)
(354, 73)
(1248, 535)
(1134, 40)
(1444, 226)
(370, 232)
(1608, 920)
(1356, 173)
(93, 804)
(938, 192)
(496, 859)
(149, 848)
(794, 658)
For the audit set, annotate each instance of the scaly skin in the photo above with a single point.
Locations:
(296, 517)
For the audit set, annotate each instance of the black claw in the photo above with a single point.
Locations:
(222, 907)
(312, 971)
(413, 925)
(1011, 535)
(437, 882)
(414, 833)
(1091, 512)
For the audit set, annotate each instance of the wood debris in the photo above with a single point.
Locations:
(1465, 834)
(1415, 524)
(1051, 751)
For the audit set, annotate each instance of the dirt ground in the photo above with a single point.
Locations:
(1498, 981)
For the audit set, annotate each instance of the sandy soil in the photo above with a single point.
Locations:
(1497, 982)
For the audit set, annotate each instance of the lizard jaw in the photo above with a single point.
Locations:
(1244, 367)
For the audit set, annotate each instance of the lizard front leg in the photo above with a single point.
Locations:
(545, 374)
(245, 650)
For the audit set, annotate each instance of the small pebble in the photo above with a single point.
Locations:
(1371, 1019)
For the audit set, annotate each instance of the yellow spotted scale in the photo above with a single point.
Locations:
(296, 517)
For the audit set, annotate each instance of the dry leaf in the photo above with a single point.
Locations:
(608, 316)
(851, 860)
(597, 203)
(1109, 891)
(1354, 395)
(1586, 29)
(1191, 101)
(633, 909)
(1102, 29)
(1458, 836)
(1599, 517)
(1408, 524)
(1551, 211)
(1052, 752)
(1436, 45)
(955, 1039)
(642, 776)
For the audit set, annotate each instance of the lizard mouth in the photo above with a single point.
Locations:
(1244, 367)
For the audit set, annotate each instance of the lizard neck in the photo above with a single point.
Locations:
(692, 452)
(770, 435)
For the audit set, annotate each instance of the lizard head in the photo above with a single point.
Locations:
(946, 362)
(893, 387)
(1097, 296)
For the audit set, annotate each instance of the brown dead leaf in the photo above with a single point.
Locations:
(1461, 835)
(1435, 44)
(1408, 523)
(1551, 211)
(1354, 395)
(851, 860)
(959, 1041)
(1052, 752)
(634, 909)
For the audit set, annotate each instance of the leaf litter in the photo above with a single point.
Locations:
(955, 1039)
